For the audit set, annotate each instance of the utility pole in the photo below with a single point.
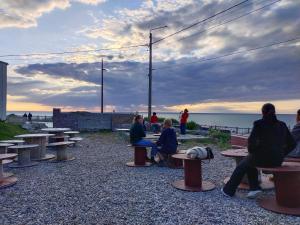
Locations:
(150, 71)
(150, 78)
(102, 69)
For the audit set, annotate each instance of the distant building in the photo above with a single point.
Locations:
(3, 89)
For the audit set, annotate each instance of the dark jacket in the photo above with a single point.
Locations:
(296, 136)
(269, 142)
(136, 133)
(168, 141)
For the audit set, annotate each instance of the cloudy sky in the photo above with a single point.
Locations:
(215, 66)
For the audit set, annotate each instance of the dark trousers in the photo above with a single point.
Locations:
(246, 166)
(183, 128)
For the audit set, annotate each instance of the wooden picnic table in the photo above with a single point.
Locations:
(238, 155)
(6, 179)
(192, 176)
(40, 139)
(287, 186)
(23, 155)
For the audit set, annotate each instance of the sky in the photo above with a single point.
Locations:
(215, 66)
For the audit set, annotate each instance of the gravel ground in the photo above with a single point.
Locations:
(97, 188)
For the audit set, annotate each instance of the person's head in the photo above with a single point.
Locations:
(167, 123)
(268, 111)
(298, 116)
(186, 111)
(154, 114)
(138, 119)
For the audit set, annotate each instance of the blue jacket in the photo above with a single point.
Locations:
(168, 141)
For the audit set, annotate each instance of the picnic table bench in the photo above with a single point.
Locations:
(39, 153)
(140, 154)
(61, 151)
(238, 155)
(192, 176)
(287, 186)
(24, 159)
(6, 179)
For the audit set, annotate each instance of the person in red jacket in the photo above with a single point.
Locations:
(183, 120)
(155, 126)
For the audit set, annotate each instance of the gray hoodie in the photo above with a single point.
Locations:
(296, 135)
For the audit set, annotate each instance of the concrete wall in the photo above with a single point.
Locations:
(3, 89)
(86, 121)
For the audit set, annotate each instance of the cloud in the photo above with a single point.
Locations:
(24, 14)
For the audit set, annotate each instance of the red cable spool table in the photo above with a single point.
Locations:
(292, 159)
(192, 176)
(238, 155)
(287, 189)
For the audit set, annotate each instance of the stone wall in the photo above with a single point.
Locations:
(86, 121)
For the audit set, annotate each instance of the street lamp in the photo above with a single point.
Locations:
(150, 70)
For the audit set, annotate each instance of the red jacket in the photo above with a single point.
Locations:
(154, 119)
(184, 117)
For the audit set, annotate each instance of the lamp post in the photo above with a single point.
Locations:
(102, 69)
(150, 71)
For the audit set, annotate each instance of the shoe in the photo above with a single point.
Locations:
(225, 194)
(254, 194)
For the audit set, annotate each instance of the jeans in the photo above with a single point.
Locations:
(183, 128)
(147, 143)
(245, 167)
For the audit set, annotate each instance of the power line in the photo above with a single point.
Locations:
(72, 52)
(228, 21)
(232, 53)
(195, 24)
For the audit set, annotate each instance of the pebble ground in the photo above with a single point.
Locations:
(98, 188)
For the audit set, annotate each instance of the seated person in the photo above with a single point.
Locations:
(167, 141)
(269, 142)
(296, 135)
(137, 133)
(155, 127)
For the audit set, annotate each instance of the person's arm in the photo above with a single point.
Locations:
(162, 138)
(253, 140)
(290, 142)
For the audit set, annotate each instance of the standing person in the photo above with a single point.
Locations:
(29, 116)
(25, 116)
(137, 134)
(269, 142)
(155, 127)
(296, 135)
(183, 120)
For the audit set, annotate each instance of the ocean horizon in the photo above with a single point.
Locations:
(242, 120)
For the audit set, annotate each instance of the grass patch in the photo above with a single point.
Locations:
(9, 131)
(220, 138)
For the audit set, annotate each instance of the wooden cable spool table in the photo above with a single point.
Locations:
(287, 190)
(71, 133)
(24, 159)
(39, 153)
(61, 151)
(13, 142)
(292, 159)
(192, 176)
(58, 132)
(238, 155)
(6, 179)
(3, 150)
(140, 154)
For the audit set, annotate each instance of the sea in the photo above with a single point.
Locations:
(210, 119)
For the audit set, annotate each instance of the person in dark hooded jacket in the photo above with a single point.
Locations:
(269, 142)
(296, 134)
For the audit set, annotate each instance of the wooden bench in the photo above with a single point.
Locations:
(71, 133)
(140, 155)
(287, 190)
(61, 151)
(6, 179)
(192, 176)
(24, 159)
(75, 140)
